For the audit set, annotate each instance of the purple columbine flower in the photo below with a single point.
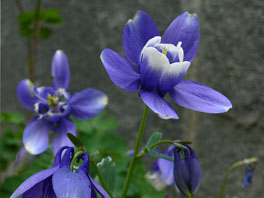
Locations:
(59, 181)
(163, 169)
(53, 106)
(187, 171)
(158, 64)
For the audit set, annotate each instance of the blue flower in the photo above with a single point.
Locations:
(187, 171)
(59, 181)
(248, 177)
(158, 64)
(163, 170)
(53, 105)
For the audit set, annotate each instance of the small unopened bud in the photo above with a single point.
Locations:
(187, 171)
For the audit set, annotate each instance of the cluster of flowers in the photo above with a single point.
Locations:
(156, 66)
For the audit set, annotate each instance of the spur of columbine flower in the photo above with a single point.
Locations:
(53, 106)
(158, 64)
(187, 171)
(60, 181)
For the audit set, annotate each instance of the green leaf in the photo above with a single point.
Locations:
(26, 18)
(75, 140)
(156, 155)
(108, 170)
(12, 118)
(50, 16)
(155, 137)
(15, 118)
(26, 31)
(45, 32)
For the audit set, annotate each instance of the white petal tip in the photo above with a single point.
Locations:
(59, 51)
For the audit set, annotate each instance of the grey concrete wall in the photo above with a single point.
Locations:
(230, 59)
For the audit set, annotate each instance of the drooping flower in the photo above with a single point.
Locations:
(158, 64)
(59, 181)
(187, 171)
(250, 167)
(53, 105)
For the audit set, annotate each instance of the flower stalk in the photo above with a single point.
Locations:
(231, 169)
(136, 150)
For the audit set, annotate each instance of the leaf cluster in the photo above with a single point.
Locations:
(26, 21)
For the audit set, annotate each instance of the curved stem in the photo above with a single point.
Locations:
(75, 158)
(103, 182)
(231, 169)
(175, 143)
(136, 150)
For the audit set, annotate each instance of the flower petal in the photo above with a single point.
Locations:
(184, 28)
(88, 103)
(67, 184)
(60, 70)
(67, 157)
(35, 191)
(25, 94)
(196, 174)
(34, 180)
(99, 188)
(48, 191)
(158, 104)
(136, 34)
(166, 170)
(120, 71)
(181, 172)
(153, 62)
(36, 135)
(172, 75)
(93, 194)
(64, 126)
(58, 156)
(198, 97)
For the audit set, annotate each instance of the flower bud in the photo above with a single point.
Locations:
(187, 171)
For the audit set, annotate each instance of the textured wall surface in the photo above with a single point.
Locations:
(230, 59)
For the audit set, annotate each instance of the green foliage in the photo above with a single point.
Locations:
(11, 134)
(108, 170)
(26, 22)
(154, 138)
(99, 138)
(156, 155)
(77, 143)
(50, 16)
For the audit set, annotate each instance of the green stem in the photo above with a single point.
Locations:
(175, 143)
(231, 169)
(32, 55)
(75, 158)
(136, 150)
(143, 154)
(103, 182)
